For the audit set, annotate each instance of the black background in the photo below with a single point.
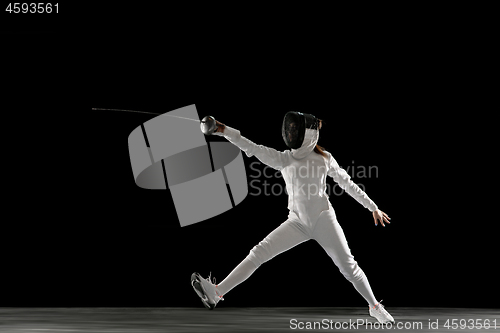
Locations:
(79, 232)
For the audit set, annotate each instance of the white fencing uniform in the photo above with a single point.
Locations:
(311, 215)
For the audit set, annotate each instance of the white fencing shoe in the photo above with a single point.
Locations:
(381, 314)
(206, 290)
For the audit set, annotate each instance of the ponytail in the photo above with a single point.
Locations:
(320, 150)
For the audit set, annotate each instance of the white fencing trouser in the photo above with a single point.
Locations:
(326, 231)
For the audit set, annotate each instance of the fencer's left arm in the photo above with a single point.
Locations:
(269, 156)
(345, 182)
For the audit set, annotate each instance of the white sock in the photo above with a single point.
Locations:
(237, 276)
(363, 287)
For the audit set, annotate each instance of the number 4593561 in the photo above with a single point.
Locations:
(32, 8)
(470, 324)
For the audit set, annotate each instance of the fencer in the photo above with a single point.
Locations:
(311, 216)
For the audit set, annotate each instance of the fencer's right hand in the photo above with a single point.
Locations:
(220, 127)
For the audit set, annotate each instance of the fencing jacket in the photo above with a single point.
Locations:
(304, 172)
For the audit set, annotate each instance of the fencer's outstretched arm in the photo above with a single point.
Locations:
(342, 178)
(269, 156)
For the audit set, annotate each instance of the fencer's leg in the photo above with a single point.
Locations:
(239, 274)
(289, 234)
(330, 236)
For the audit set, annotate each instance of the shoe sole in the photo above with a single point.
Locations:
(392, 322)
(387, 322)
(198, 288)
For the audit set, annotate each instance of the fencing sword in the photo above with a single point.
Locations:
(207, 125)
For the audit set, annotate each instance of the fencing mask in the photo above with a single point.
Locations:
(294, 128)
